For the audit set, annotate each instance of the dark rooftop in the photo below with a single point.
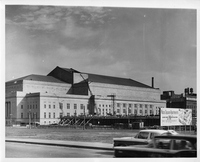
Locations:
(34, 77)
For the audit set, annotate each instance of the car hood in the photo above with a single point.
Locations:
(128, 139)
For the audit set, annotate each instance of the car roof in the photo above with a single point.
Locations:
(154, 131)
(179, 137)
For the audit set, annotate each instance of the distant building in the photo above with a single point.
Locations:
(188, 100)
(68, 92)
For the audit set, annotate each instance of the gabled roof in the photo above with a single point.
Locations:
(34, 77)
(115, 80)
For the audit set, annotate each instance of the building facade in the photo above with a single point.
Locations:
(68, 92)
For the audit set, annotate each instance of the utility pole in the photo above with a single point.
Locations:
(84, 118)
(29, 119)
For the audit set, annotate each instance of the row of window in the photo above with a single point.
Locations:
(29, 115)
(135, 105)
(29, 106)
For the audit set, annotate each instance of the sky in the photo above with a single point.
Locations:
(136, 43)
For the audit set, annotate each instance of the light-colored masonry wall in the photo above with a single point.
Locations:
(45, 87)
(52, 107)
(126, 92)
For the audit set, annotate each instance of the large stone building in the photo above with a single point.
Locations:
(68, 92)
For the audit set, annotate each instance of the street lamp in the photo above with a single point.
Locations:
(29, 116)
(84, 118)
(10, 119)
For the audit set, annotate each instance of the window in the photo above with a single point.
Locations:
(44, 105)
(68, 106)
(49, 106)
(145, 106)
(82, 106)
(140, 111)
(129, 110)
(124, 110)
(54, 106)
(33, 106)
(151, 106)
(54, 115)
(135, 105)
(143, 135)
(44, 115)
(36, 106)
(30, 106)
(21, 115)
(118, 104)
(118, 111)
(49, 115)
(130, 105)
(75, 106)
(145, 111)
(135, 111)
(141, 105)
(124, 105)
(99, 105)
(68, 114)
(21, 106)
(61, 115)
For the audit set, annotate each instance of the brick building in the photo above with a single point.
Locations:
(68, 92)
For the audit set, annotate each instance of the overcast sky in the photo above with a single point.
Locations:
(134, 43)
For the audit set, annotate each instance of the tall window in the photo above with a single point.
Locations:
(68, 105)
(21, 115)
(21, 106)
(44, 105)
(130, 105)
(49, 106)
(135, 105)
(49, 115)
(82, 106)
(54, 106)
(75, 106)
(124, 105)
(54, 115)
(44, 114)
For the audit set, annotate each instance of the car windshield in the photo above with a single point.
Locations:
(143, 135)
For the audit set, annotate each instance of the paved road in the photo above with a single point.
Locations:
(22, 150)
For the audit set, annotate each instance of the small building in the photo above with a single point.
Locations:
(188, 100)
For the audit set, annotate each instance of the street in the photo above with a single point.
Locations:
(22, 150)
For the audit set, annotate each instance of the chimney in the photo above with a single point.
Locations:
(152, 82)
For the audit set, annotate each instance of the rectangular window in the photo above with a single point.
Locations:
(81, 106)
(68, 106)
(75, 106)
(140, 105)
(118, 111)
(44, 105)
(54, 115)
(135, 111)
(61, 105)
(21, 115)
(49, 106)
(135, 105)
(61, 115)
(30, 106)
(36, 106)
(54, 106)
(151, 106)
(129, 110)
(118, 104)
(145, 106)
(130, 105)
(140, 111)
(44, 115)
(21, 106)
(49, 115)
(124, 110)
(124, 105)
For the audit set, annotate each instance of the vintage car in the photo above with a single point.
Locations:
(162, 146)
(141, 138)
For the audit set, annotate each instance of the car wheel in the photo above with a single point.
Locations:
(117, 153)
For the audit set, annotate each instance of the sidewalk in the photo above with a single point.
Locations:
(79, 144)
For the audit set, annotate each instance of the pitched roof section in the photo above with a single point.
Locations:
(34, 77)
(116, 80)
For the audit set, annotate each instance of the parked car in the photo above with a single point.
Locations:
(162, 146)
(141, 138)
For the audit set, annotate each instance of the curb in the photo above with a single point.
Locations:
(75, 144)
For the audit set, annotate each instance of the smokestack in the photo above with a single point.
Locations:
(152, 82)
